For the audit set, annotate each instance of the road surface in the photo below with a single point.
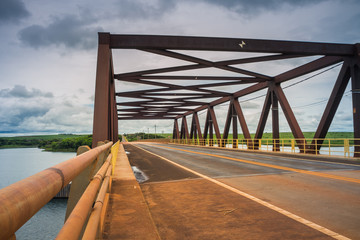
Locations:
(228, 194)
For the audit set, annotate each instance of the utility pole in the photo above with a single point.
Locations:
(155, 131)
(148, 133)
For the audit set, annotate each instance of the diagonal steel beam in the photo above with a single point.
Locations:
(264, 115)
(228, 120)
(308, 68)
(206, 63)
(290, 117)
(214, 122)
(176, 134)
(184, 134)
(332, 105)
(242, 120)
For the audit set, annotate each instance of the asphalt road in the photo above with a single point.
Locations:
(325, 193)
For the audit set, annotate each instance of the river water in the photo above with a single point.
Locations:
(19, 163)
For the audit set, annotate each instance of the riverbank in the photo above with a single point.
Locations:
(53, 143)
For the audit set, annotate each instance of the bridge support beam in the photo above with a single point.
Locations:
(331, 107)
(184, 133)
(210, 124)
(195, 131)
(176, 132)
(355, 88)
(105, 125)
(263, 117)
(243, 125)
(275, 122)
(290, 117)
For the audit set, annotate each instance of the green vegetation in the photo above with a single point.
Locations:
(56, 143)
(70, 142)
(140, 136)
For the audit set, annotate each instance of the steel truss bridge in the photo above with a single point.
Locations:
(200, 192)
(166, 100)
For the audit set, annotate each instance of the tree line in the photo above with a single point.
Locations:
(67, 143)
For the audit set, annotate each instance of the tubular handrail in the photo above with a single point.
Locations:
(21, 200)
(74, 224)
(92, 226)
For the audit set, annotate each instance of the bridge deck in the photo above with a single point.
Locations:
(205, 196)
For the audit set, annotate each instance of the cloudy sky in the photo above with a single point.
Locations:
(48, 54)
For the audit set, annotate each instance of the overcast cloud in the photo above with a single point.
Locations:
(48, 55)
(12, 11)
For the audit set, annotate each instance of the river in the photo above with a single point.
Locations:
(19, 163)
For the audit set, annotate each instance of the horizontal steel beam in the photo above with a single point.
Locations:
(144, 118)
(228, 44)
(172, 77)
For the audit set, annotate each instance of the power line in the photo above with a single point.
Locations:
(303, 80)
(319, 102)
(317, 74)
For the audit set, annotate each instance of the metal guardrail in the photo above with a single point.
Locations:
(327, 146)
(21, 200)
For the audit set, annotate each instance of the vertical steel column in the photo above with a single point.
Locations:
(113, 107)
(275, 122)
(103, 108)
(192, 128)
(214, 123)
(243, 124)
(176, 134)
(184, 129)
(211, 133)
(206, 127)
(195, 131)
(263, 118)
(228, 122)
(355, 88)
(234, 127)
(197, 124)
(290, 117)
(193, 125)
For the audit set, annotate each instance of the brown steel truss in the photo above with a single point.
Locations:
(167, 100)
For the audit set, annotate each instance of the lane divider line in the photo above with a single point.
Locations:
(319, 174)
(257, 200)
(266, 153)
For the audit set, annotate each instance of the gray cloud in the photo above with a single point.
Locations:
(19, 91)
(34, 111)
(246, 6)
(16, 116)
(70, 31)
(136, 9)
(12, 11)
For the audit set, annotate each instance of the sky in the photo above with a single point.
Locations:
(48, 52)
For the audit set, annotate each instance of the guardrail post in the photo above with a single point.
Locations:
(293, 145)
(79, 184)
(259, 144)
(346, 147)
